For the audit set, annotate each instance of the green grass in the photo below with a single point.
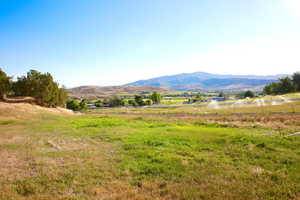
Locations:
(114, 157)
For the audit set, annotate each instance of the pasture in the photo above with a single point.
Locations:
(152, 153)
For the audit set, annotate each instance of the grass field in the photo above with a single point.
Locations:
(152, 153)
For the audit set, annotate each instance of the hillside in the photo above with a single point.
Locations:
(207, 81)
(107, 91)
(26, 110)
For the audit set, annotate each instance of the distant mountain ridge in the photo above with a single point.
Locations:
(209, 82)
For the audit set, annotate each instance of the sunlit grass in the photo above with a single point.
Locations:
(90, 157)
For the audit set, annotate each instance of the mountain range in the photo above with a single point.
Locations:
(209, 82)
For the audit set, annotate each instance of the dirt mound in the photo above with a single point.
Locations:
(24, 110)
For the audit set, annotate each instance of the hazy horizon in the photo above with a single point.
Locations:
(108, 43)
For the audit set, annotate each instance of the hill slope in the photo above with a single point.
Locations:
(27, 111)
(106, 91)
(207, 81)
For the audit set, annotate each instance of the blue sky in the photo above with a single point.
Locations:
(111, 42)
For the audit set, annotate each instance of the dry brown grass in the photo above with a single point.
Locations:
(94, 92)
(26, 110)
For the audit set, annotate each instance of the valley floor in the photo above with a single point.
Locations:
(150, 154)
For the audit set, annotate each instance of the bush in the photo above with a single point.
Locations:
(249, 94)
(132, 102)
(139, 100)
(77, 105)
(149, 102)
(155, 97)
(115, 101)
(73, 105)
(5, 84)
(83, 104)
(125, 102)
(98, 105)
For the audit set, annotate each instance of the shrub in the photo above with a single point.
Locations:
(132, 102)
(155, 97)
(115, 101)
(73, 105)
(5, 84)
(149, 102)
(249, 93)
(139, 100)
(77, 105)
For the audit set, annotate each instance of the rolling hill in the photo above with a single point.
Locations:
(108, 91)
(208, 82)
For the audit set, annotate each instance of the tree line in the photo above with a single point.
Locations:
(116, 101)
(40, 86)
(284, 85)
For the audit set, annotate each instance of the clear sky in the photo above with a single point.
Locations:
(111, 42)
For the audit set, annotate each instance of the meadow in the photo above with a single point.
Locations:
(152, 153)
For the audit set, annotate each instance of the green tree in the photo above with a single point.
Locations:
(139, 100)
(125, 102)
(115, 101)
(132, 102)
(284, 86)
(73, 105)
(155, 97)
(42, 87)
(221, 94)
(296, 80)
(5, 84)
(149, 102)
(83, 104)
(249, 94)
(105, 102)
(98, 103)
(272, 88)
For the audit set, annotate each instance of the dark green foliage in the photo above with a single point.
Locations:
(155, 97)
(98, 105)
(139, 100)
(221, 94)
(105, 102)
(284, 86)
(148, 102)
(249, 93)
(115, 101)
(83, 104)
(42, 87)
(125, 102)
(77, 105)
(132, 102)
(73, 105)
(5, 84)
(296, 80)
